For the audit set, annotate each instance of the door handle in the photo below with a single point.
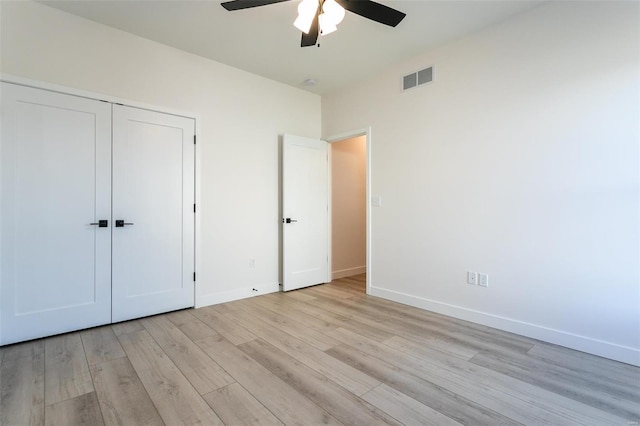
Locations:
(101, 223)
(289, 220)
(121, 223)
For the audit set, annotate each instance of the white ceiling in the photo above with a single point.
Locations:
(263, 40)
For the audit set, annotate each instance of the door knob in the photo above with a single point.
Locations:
(101, 223)
(121, 223)
(289, 220)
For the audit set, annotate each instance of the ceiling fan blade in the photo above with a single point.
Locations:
(374, 11)
(310, 38)
(246, 4)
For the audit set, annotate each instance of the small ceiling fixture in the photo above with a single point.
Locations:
(329, 16)
(321, 17)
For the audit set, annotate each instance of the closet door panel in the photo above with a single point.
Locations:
(153, 193)
(55, 181)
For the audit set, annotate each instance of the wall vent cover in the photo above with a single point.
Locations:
(417, 78)
(409, 81)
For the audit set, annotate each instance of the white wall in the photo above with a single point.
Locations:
(521, 160)
(348, 207)
(241, 118)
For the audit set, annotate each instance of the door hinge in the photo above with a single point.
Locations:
(194, 207)
(194, 139)
(194, 276)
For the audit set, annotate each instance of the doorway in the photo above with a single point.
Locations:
(349, 207)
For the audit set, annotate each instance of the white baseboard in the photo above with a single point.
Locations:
(581, 343)
(231, 295)
(348, 272)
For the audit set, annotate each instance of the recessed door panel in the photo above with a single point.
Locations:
(55, 181)
(153, 196)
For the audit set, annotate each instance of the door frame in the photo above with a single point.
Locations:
(52, 87)
(337, 138)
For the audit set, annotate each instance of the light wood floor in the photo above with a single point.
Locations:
(322, 355)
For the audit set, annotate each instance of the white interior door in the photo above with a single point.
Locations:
(55, 159)
(305, 208)
(153, 194)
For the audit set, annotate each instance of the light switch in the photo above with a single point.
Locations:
(376, 200)
(483, 280)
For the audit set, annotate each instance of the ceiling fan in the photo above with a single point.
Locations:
(320, 17)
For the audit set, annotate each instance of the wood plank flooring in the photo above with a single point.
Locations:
(328, 354)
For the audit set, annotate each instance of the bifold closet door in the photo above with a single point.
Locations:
(55, 181)
(153, 197)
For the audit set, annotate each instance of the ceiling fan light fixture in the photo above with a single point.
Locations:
(326, 26)
(332, 15)
(306, 12)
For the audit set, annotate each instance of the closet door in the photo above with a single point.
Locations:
(55, 182)
(153, 196)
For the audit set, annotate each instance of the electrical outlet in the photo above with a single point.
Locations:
(483, 280)
(472, 278)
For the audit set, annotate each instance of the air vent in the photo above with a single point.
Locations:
(410, 81)
(417, 78)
